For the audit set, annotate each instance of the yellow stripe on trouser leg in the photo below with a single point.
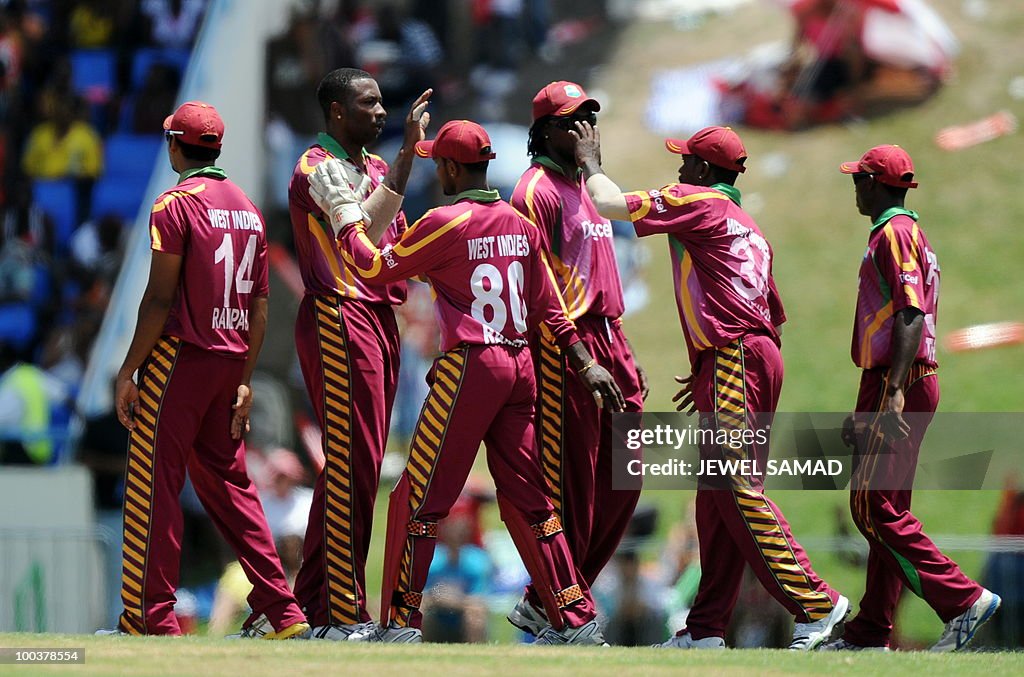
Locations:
(339, 560)
(423, 459)
(139, 480)
(769, 537)
(551, 391)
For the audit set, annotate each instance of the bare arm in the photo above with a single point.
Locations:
(606, 196)
(906, 339)
(383, 203)
(156, 303)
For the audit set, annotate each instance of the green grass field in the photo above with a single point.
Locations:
(213, 658)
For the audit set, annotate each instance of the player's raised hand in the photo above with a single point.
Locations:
(417, 120)
(240, 417)
(684, 398)
(330, 189)
(588, 144)
(126, 399)
(599, 381)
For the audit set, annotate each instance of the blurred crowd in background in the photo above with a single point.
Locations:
(84, 89)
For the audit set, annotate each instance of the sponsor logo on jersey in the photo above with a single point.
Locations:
(659, 204)
(596, 230)
(388, 255)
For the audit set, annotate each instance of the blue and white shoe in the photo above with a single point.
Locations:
(962, 629)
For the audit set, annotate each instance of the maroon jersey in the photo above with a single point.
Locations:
(323, 270)
(899, 271)
(208, 221)
(486, 265)
(721, 262)
(577, 239)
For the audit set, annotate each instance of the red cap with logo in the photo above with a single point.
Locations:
(718, 145)
(890, 165)
(460, 140)
(197, 124)
(560, 99)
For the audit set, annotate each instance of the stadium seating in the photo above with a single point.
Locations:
(130, 155)
(94, 74)
(17, 324)
(59, 199)
(119, 195)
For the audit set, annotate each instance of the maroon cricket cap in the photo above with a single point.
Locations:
(197, 124)
(890, 165)
(460, 140)
(560, 99)
(718, 145)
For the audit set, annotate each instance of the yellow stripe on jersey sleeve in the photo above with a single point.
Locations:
(304, 165)
(170, 197)
(645, 205)
(905, 266)
(693, 197)
(408, 249)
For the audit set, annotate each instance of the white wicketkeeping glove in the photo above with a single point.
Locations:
(330, 189)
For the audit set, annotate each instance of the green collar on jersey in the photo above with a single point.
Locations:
(732, 192)
(552, 165)
(209, 170)
(331, 145)
(890, 213)
(478, 195)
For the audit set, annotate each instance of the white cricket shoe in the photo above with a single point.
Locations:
(962, 629)
(392, 634)
(115, 632)
(587, 634)
(808, 636)
(685, 641)
(527, 617)
(342, 633)
(842, 645)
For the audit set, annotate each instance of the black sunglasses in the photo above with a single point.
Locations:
(569, 123)
(860, 176)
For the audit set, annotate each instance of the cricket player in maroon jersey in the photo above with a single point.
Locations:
(348, 346)
(730, 312)
(574, 431)
(200, 329)
(492, 284)
(894, 343)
